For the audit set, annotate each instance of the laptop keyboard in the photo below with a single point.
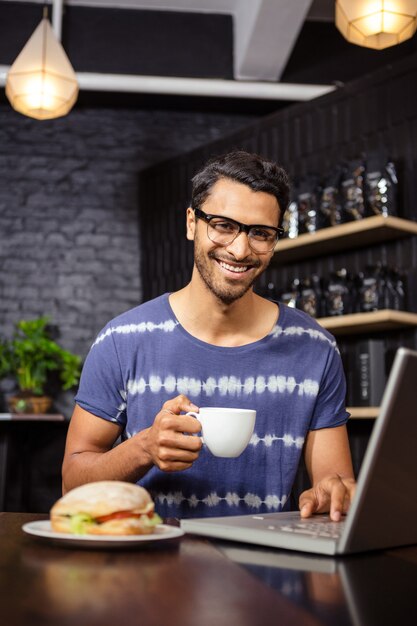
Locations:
(313, 528)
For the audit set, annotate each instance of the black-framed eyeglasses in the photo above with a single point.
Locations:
(224, 230)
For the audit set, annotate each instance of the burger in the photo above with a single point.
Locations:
(107, 507)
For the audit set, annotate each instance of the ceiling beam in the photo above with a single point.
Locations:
(265, 33)
(216, 88)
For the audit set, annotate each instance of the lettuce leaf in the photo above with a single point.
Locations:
(80, 523)
(151, 521)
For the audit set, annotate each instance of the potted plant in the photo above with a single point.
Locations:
(29, 357)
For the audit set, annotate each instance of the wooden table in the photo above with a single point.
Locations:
(196, 582)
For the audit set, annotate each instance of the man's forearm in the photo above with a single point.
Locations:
(128, 461)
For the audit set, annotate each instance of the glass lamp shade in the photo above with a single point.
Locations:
(41, 82)
(376, 24)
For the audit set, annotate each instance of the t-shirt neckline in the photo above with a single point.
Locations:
(208, 346)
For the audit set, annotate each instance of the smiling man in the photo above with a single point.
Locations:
(217, 343)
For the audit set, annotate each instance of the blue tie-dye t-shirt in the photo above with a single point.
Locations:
(293, 377)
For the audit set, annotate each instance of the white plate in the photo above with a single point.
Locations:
(43, 530)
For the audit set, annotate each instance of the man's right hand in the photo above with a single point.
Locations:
(168, 441)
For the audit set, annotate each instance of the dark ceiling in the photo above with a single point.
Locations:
(167, 43)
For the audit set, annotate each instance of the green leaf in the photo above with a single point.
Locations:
(31, 354)
(79, 523)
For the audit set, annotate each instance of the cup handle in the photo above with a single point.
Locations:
(193, 414)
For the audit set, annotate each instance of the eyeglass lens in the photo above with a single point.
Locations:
(223, 232)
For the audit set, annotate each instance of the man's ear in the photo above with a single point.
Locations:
(190, 224)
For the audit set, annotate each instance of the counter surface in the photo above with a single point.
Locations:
(194, 581)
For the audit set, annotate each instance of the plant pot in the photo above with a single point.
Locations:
(26, 403)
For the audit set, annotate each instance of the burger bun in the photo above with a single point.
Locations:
(100, 499)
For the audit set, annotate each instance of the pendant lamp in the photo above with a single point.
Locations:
(41, 82)
(376, 24)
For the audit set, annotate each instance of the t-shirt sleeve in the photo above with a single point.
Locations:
(330, 410)
(101, 390)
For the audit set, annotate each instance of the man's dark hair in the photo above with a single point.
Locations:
(243, 167)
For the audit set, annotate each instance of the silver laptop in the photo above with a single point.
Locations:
(383, 513)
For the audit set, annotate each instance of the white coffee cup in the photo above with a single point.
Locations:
(226, 432)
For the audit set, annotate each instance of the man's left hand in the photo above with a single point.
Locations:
(332, 494)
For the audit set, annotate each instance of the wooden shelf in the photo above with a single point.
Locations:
(336, 238)
(363, 412)
(353, 235)
(35, 417)
(375, 321)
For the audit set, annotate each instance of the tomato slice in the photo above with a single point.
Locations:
(121, 515)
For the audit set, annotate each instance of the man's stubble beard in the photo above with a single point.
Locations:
(224, 294)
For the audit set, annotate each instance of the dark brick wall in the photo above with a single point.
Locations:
(69, 228)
